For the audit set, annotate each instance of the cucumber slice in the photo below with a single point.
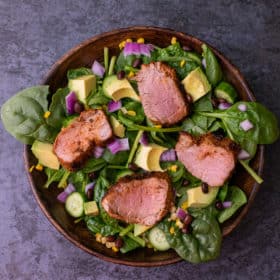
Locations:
(74, 205)
(158, 240)
(226, 91)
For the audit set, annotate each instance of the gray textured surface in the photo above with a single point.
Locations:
(35, 33)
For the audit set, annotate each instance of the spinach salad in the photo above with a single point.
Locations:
(192, 226)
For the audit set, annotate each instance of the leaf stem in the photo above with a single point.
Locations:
(137, 239)
(134, 127)
(112, 64)
(62, 183)
(106, 59)
(124, 231)
(116, 167)
(252, 172)
(134, 147)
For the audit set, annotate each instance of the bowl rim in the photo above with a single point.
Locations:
(45, 81)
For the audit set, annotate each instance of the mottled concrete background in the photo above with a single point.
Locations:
(34, 34)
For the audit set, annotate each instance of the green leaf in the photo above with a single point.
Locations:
(53, 175)
(137, 108)
(238, 198)
(203, 244)
(78, 72)
(23, 116)
(213, 69)
(94, 164)
(204, 104)
(119, 158)
(94, 224)
(129, 245)
(79, 179)
(58, 109)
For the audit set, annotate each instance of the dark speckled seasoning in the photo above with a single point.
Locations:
(34, 34)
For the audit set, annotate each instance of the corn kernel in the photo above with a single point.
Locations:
(131, 113)
(158, 126)
(128, 40)
(31, 168)
(110, 244)
(173, 40)
(39, 167)
(184, 205)
(141, 40)
(98, 237)
(172, 230)
(173, 168)
(178, 223)
(103, 240)
(47, 114)
(173, 216)
(130, 74)
(173, 209)
(123, 109)
(115, 249)
(121, 45)
(182, 63)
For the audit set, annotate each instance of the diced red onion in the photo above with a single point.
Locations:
(89, 186)
(137, 49)
(98, 69)
(243, 154)
(224, 105)
(98, 151)
(63, 195)
(181, 214)
(169, 155)
(227, 204)
(114, 106)
(242, 107)
(246, 125)
(70, 101)
(203, 62)
(144, 140)
(118, 145)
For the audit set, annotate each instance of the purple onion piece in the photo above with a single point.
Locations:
(118, 145)
(114, 106)
(137, 49)
(242, 107)
(243, 155)
(224, 105)
(70, 101)
(169, 155)
(69, 189)
(246, 125)
(227, 204)
(89, 186)
(62, 197)
(98, 151)
(144, 140)
(98, 69)
(181, 214)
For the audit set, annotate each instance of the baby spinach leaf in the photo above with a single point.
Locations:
(58, 108)
(129, 245)
(100, 188)
(93, 164)
(203, 243)
(23, 116)
(78, 72)
(79, 179)
(223, 192)
(204, 104)
(238, 198)
(213, 69)
(116, 159)
(94, 224)
(134, 107)
(53, 175)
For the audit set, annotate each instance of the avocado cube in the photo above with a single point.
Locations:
(198, 199)
(91, 208)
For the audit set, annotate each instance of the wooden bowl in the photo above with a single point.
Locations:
(83, 55)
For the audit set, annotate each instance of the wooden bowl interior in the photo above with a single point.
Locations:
(84, 55)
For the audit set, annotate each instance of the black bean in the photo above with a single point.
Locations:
(90, 194)
(78, 107)
(133, 167)
(110, 238)
(204, 187)
(186, 183)
(219, 205)
(137, 62)
(92, 176)
(119, 242)
(189, 98)
(219, 134)
(214, 102)
(121, 75)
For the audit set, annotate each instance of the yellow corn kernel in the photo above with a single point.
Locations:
(184, 205)
(98, 237)
(103, 240)
(141, 40)
(173, 216)
(173, 168)
(110, 244)
(39, 167)
(121, 45)
(131, 113)
(178, 223)
(128, 40)
(158, 126)
(31, 168)
(130, 74)
(172, 230)
(47, 114)
(182, 63)
(173, 40)
(115, 249)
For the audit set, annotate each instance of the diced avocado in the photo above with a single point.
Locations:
(91, 208)
(226, 91)
(199, 199)
(82, 86)
(118, 128)
(139, 229)
(148, 157)
(196, 84)
(44, 153)
(118, 89)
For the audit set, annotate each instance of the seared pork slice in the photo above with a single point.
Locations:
(141, 199)
(74, 144)
(208, 157)
(161, 97)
